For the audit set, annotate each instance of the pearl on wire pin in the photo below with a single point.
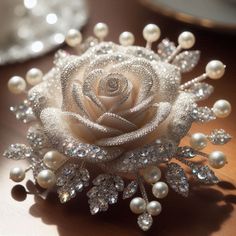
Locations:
(16, 85)
(151, 33)
(101, 30)
(214, 69)
(73, 38)
(126, 38)
(34, 76)
(186, 40)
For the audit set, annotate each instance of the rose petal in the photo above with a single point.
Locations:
(117, 122)
(162, 111)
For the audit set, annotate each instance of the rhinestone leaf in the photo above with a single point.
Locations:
(130, 189)
(204, 174)
(104, 192)
(186, 60)
(177, 179)
(165, 48)
(219, 137)
(145, 221)
(23, 112)
(17, 151)
(186, 152)
(201, 90)
(203, 114)
(71, 179)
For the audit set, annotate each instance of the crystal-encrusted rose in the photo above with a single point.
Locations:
(108, 103)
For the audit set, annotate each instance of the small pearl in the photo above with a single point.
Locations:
(152, 174)
(16, 85)
(126, 38)
(151, 33)
(73, 38)
(46, 178)
(217, 159)
(34, 76)
(222, 108)
(160, 189)
(186, 40)
(53, 159)
(215, 69)
(101, 30)
(17, 174)
(154, 208)
(137, 205)
(198, 141)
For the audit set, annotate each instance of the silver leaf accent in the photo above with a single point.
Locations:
(23, 112)
(203, 114)
(71, 179)
(130, 189)
(186, 60)
(186, 152)
(145, 221)
(165, 48)
(104, 192)
(219, 137)
(201, 90)
(17, 151)
(177, 179)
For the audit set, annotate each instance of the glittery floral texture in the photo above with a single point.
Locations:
(123, 109)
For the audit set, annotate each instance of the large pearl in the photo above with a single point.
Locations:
(126, 39)
(215, 69)
(152, 174)
(73, 37)
(17, 174)
(53, 159)
(16, 85)
(222, 108)
(101, 30)
(46, 179)
(160, 189)
(34, 76)
(137, 205)
(186, 40)
(217, 159)
(154, 208)
(198, 141)
(151, 33)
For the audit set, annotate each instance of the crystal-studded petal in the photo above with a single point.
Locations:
(204, 174)
(145, 221)
(186, 60)
(165, 48)
(177, 179)
(130, 189)
(17, 151)
(203, 114)
(219, 137)
(186, 152)
(201, 91)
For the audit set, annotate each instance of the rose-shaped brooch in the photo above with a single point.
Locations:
(122, 109)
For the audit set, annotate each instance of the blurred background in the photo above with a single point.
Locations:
(31, 31)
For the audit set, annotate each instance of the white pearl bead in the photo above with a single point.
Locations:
(101, 30)
(16, 85)
(34, 76)
(198, 141)
(17, 174)
(154, 208)
(137, 205)
(215, 69)
(151, 33)
(46, 178)
(152, 174)
(73, 37)
(126, 38)
(222, 108)
(217, 159)
(186, 40)
(160, 189)
(53, 159)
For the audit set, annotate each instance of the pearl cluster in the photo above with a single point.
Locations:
(138, 205)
